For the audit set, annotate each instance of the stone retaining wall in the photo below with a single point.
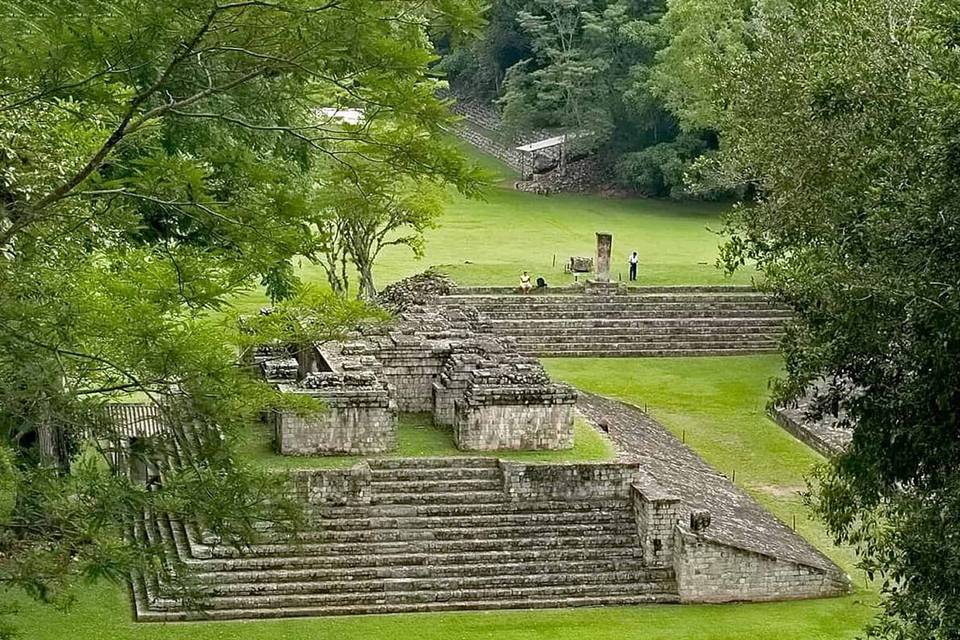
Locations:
(488, 419)
(708, 571)
(353, 422)
(540, 482)
(333, 486)
(657, 512)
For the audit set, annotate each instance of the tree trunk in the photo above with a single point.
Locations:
(368, 290)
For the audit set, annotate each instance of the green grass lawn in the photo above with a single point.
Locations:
(491, 241)
(103, 613)
(417, 436)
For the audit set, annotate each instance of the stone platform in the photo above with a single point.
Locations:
(441, 534)
(624, 321)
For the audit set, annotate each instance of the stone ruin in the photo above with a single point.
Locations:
(658, 525)
(429, 360)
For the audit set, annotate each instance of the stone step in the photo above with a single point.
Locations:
(486, 520)
(425, 489)
(474, 509)
(624, 306)
(654, 297)
(433, 571)
(576, 330)
(523, 602)
(589, 314)
(646, 353)
(438, 473)
(538, 346)
(603, 298)
(574, 541)
(453, 462)
(463, 497)
(635, 323)
(406, 584)
(653, 342)
(421, 559)
(494, 532)
(682, 289)
(417, 597)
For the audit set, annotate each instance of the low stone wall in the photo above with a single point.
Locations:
(657, 512)
(333, 486)
(488, 419)
(355, 423)
(539, 482)
(411, 373)
(708, 571)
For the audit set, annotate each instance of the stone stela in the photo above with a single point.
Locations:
(604, 248)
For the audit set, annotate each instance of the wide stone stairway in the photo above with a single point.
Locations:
(641, 321)
(433, 534)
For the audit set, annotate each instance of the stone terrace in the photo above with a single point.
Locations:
(429, 534)
(620, 321)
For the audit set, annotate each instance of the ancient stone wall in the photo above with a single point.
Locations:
(333, 486)
(411, 370)
(708, 571)
(657, 513)
(492, 418)
(359, 417)
(540, 482)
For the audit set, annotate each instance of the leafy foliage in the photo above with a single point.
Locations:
(844, 116)
(157, 159)
(584, 66)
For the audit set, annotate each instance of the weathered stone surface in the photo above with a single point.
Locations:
(604, 249)
(430, 359)
(580, 264)
(588, 481)
(745, 553)
(823, 430)
(604, 319)
(491, 418)
(353, 421)
(415, 290)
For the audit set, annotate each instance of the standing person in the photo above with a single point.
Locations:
(633, 266)
(525, 282)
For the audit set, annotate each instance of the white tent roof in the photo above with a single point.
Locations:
(543, 144)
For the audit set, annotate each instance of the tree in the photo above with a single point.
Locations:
(702, 35)
(585, 67)
(844, 114)
(156, 160)
(379, 211)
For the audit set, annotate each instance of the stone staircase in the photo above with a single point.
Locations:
(436, 534)
(641, 321)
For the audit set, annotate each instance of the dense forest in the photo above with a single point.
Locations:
(603, 68)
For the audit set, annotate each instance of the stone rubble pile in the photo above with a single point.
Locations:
(333, 380)
(415, 291)
(276, 369)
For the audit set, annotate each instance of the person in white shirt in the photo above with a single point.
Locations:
(525, 282)
(634, 259)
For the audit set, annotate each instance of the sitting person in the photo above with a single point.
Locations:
(525, 282)
(541, 283)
